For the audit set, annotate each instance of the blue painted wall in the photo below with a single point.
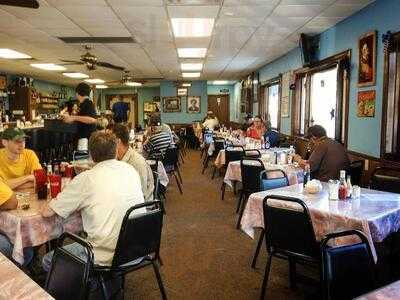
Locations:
(382, 16)
(198, 88)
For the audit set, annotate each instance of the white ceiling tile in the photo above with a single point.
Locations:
(138, 3)
(241, 11)
(190, 12)
(298, 10)
(250, 2)
(341, 10)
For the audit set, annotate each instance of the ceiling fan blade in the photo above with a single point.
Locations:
(115, 81)
(71, 62)
(21, 3)
(110, 66)
(148, 79)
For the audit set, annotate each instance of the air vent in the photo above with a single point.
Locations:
(98, 40)
(194, 2)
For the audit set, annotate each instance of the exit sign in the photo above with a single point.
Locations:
(224, 91)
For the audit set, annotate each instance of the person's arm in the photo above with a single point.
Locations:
(24, 181)
(82, 119)
(7, 197)
(46, 211)
(316, 157)
(70, 199)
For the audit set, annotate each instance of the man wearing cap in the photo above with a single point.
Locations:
(17, 163)
(211, 121)
(86, 115)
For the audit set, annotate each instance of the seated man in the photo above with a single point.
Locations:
(17, 163)
(210, 122)
(272, 137)
(127, 154)
(328, 156)
(102, 195)
(158, 142)
(9, 201)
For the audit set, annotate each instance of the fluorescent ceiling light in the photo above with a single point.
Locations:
(49, 67)
(76, 75)
(12, 54)
(186, 84)
(94, 80)
(101, 86)
(192, 52)
(191, 66)
(132, 83)
(192, 27)
(191, 75)
(220, 82)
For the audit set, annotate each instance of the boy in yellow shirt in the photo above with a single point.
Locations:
(17, 163)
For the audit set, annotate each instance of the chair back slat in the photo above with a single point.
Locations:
(250, 170)
(140, 234)
(252, 153)
(233, 153)
(288, 227)
(347, 271)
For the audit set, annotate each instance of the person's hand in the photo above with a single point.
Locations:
(297, 158)
(68, 119)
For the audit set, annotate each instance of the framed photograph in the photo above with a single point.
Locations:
(366, 104)
(193, 104)
(367, 59)
(171, 104)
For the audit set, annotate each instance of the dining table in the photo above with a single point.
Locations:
(16, 285)
(375, 213)
(388, 292)
(27, 228)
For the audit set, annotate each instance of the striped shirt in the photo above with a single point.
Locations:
(158, 143)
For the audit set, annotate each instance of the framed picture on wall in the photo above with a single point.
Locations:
(366, 104)
(171, 104)
(367, 59)
(193, 105)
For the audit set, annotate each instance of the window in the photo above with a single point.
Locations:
(390, 146)
(323, 101)
(321, 97)
(273, 106)
(269, 107)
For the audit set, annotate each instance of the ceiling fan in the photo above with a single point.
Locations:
(21, 3)
(91, 61)
(128, 78)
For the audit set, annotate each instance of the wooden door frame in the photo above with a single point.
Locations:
(135, 98)
(229, 104)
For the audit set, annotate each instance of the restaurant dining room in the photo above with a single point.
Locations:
(200, 149)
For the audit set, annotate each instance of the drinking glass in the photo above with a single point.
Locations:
(333, 189)
(55, 185)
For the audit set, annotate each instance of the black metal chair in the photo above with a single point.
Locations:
(219, 144)
(386, 179)
(268, 183)
(232, 153)
(347, 271)
(289, 234)
(68, 277)
(250, 171)
(170, 162)
(356, 172)
(139, 239)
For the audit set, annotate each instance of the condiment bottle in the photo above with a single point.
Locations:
(349, 187)
(342, 185)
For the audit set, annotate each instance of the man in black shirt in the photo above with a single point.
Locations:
(86, 113)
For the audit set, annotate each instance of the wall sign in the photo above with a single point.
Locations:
(366, 104)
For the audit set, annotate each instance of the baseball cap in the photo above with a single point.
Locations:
(13, 134)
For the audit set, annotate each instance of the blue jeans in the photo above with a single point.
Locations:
(7, 248)
(73, 248)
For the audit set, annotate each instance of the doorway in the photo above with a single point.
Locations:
(219, 105)
(131, 99)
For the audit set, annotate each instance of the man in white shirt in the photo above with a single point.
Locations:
(211, 121)
(102, 195)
